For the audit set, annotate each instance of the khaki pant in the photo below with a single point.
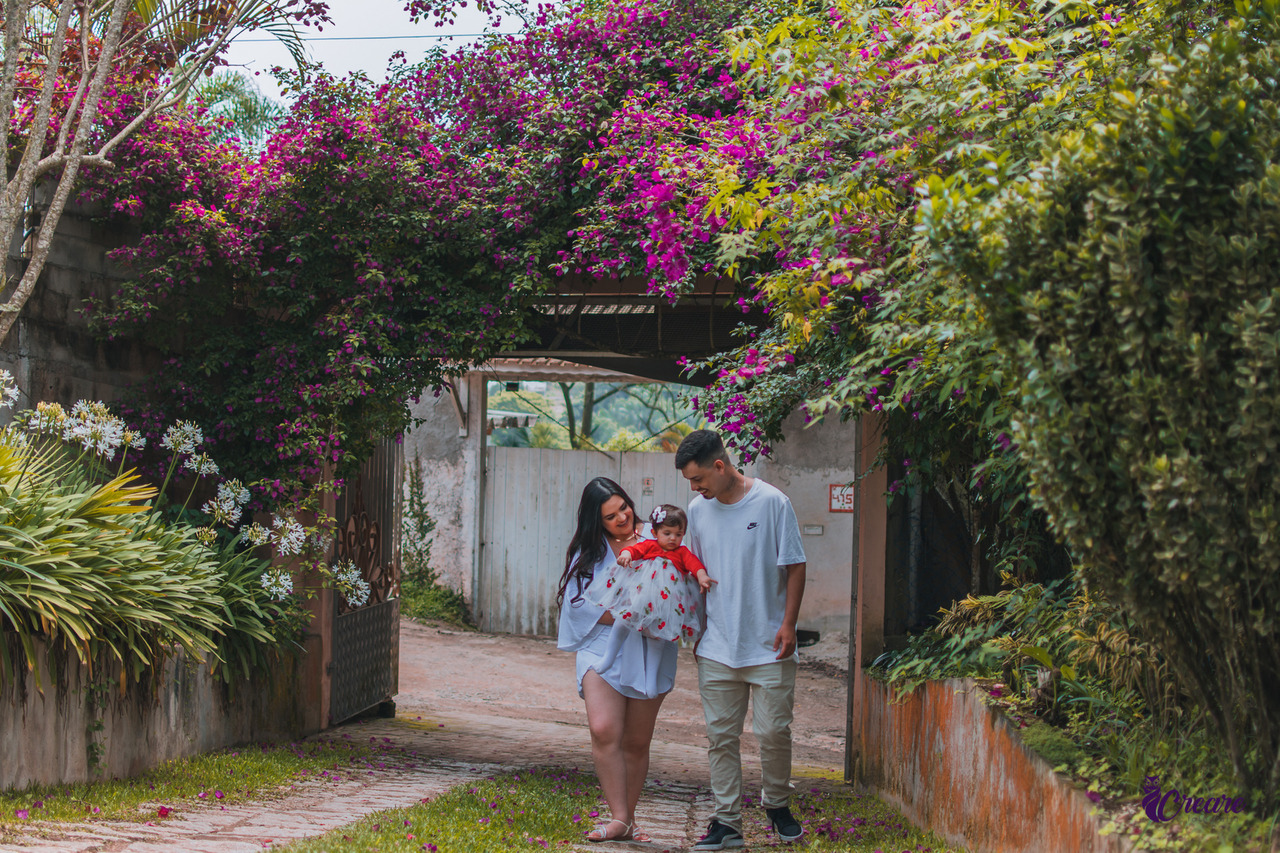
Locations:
(724, 689)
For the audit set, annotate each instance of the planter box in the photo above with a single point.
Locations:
(958, 767)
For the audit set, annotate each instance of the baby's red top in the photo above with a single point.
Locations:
(682, 558)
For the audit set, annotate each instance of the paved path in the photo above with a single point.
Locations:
(471, 705)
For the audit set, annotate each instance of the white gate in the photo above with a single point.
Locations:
(530, 510)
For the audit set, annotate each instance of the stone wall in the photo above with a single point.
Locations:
(952, 764)
(178, 710)
(50, 350)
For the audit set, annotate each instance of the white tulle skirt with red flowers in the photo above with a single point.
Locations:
(652, 596)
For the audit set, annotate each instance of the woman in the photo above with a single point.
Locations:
(622, 675)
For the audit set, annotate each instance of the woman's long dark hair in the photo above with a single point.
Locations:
(588, 540)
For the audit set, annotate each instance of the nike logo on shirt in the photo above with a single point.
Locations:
(752, 526)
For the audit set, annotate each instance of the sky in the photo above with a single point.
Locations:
(363, 36)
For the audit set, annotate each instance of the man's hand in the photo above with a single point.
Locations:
(785, 639)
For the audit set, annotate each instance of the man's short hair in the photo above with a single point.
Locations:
(702, 446)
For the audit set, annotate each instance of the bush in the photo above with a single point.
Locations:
(1133, 277)
(90, 565)
(92, 559)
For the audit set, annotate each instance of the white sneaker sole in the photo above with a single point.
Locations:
(724, 845)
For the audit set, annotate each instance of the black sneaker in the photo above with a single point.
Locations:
(784, 823)
(719, 837)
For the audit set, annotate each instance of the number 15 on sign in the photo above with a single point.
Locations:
(841, 497)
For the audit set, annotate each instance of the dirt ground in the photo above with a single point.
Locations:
(448, 672)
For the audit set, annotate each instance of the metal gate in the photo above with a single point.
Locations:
(365, 668)
(530, 510)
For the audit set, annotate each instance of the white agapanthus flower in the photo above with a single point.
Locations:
(8, 390)
(94, 428)
(201, 465)
(207, 536)
(48, 419)
(255, 534)
(134, 440)
(279, 585)
(226, 507)
(288, 535)
(234, 492)
(348, 581)
(182, 437)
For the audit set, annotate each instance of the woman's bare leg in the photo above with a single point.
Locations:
(607, 718)
(637, 737)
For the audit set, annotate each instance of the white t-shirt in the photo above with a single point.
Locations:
(746, 547)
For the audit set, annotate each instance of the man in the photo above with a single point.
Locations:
(745, 532)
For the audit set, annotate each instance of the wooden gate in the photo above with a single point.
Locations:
(530, 509)
(366, 640)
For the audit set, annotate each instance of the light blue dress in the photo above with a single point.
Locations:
(636, 666)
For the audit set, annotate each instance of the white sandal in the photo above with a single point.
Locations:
(600, 830)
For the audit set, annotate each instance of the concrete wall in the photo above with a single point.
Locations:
(449, 449)
(804, 467)
(951, 763)
(177, 711)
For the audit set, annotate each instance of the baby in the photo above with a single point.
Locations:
(669, 526)
(656, 586)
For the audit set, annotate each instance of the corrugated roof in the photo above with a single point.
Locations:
(552, 370)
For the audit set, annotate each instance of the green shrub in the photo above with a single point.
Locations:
(1051, 744)
(92, 561)
(1133, 277)
(434, 602)
(90, 566)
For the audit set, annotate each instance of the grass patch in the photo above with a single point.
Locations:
(553, 808)
(528, 809)
(836, 818)
(231, 776)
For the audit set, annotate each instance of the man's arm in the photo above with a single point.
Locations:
(785, 639)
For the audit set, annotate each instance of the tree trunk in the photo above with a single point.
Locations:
(588, 408)
(568, 412)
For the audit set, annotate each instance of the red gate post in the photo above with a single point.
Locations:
(868, 636)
